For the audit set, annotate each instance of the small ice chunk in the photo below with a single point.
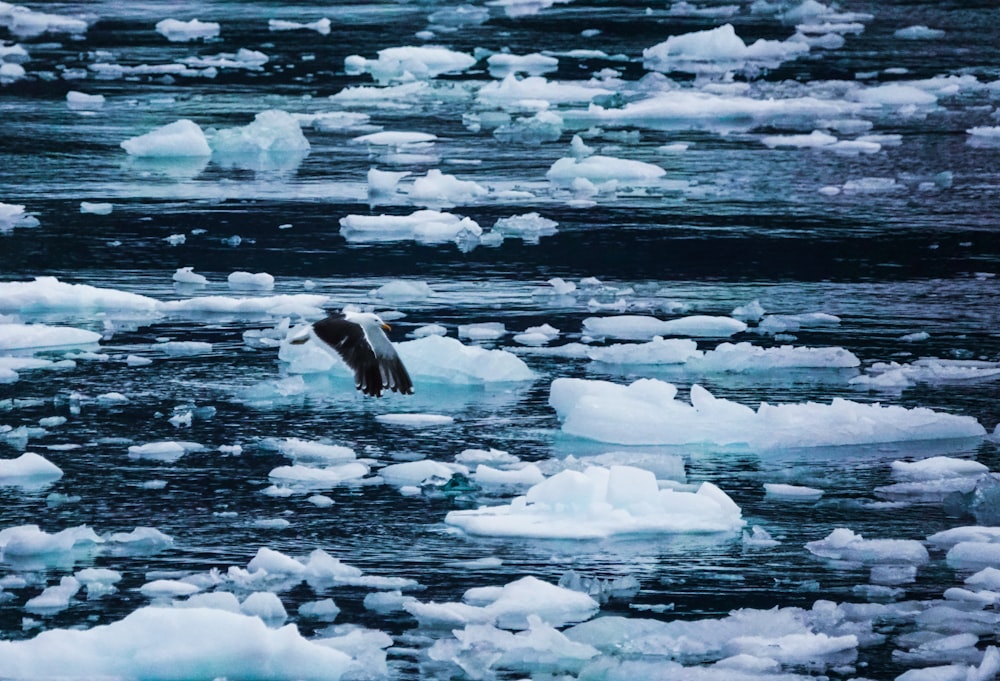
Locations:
(89, 208)
(415, 420)
(482, 331)
(247, 280)
(265, 605)
(176, 31)
(325, 610)
(776, 490)
(187, 275)
(843, 544)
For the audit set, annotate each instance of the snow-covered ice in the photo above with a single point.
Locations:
(601, 502)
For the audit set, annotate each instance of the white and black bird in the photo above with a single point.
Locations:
(359, 339)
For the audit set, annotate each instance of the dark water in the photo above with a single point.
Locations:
(751, 223)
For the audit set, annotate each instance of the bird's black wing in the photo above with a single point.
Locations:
(372, 372)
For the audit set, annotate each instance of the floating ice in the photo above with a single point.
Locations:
(27, 23)
(265, 605)
(407, 63)
(89, 208)
(656, 351)
(161, 643)
(321, 26)
(416, 472)
(13, 215)
(248, 280)
(415, 420)
(241, 59)
(81, 101)
(479, 649)
(393, 138)
(30, 541)
(401, 290)
(168, 588)
(271, 132)
(167, 451)
(384, 182)
(502, 64)
(637, 327)
(432, 359)
(183, 138)
(647, 412)
(436, 188)
(28, 469)
(307, 478)
(187, 275)
(529, 227)
(845, 545)
(526, 475)
(603, 169)
(177, 31)
(718, 50)
(304, 304)
(425, 226)
(602, 502)
(54, 598)
(510, 606)
(776, 490)
(482, 331)
(306, 451)
(513, 92)
(926, 370)
(895, 95)
(38, 336)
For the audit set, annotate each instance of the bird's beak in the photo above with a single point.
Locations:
(386, 326)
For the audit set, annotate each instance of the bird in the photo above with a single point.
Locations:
(359, 339)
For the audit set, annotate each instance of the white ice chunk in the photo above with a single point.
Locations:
(415, 420)
(167, 451)
(187, 275)
(638, 327)
(310, 478)
(321, 26)
(13, 215)
(81, 101)
(425, 226)
(25, 541)
(436, 188)
(249, 280)
(28, 469)
(936, 467)
(843, 544)
(155, 642)
(777, 490)
(177, 31)
(601, 169)
(410, 62)
(403, 290)
(53, 598)
(646, 412)
(718, 50)
(265, 605)
(529, 227)
(168, 588)
(183, 138)
(90, 208)
(415, 472)
(271, 132)
(38, 336)
(602, 502)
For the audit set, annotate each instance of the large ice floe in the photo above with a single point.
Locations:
(38, 336)
(648, 412)
(601, 502)
(432, 359)
(174, 643)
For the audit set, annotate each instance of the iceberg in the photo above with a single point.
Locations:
(602, 502)
(180, 139)
(647, 412)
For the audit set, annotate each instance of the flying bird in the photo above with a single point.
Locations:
(359, 339)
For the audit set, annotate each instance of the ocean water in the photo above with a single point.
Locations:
(897, 238)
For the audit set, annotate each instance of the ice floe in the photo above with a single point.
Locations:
(647, 412)
(40, 336)
(425, 226)
(432, 359)
(509, 606)
(183, 138)
(638, 327)
(176, 30)
(13, 215)
(718, 50)
(601, 502)
(157, 642)
(409, 62)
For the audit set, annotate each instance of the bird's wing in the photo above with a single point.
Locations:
(376, 365)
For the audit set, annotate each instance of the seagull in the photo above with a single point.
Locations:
(359, 339)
